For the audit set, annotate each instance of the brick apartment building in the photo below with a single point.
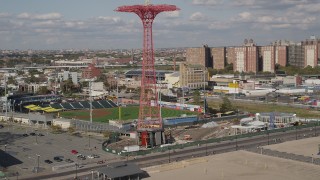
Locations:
(218, 57)
(200, 56)
(90, 72)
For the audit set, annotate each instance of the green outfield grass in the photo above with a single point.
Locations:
(127, 113)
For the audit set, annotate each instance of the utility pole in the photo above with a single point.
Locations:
(206, 148)
(38, 158)
(5, 94)
(169, 154)
(90, 98)
(76, 171)
(204, 92)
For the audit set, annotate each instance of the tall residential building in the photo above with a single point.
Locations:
(311, 51)
(240, 62)
(193, 76)
(252, 59)
(230, 55)
(296, 55)
(268, 58)
(246, 57)
(281, 55)
(218, 57)
(201, 56)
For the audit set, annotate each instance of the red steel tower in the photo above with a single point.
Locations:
(150, 122)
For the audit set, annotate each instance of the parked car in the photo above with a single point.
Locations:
(74, 151)
(40, 134)
(58, 158)
(80, 156)
(25, 135)
(92, 156)
(100, 162)
(48, 161)
(32, 134)
(1, 126)
(69, 161)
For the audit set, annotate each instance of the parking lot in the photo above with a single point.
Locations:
(33, 149)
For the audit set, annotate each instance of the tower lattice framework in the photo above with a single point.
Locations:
(149, 112)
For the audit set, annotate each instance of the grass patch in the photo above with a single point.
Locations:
(127, 113)
(257, 108)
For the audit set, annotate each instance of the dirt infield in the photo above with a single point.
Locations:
(97, 113)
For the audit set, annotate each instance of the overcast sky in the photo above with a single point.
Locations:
(93, 24)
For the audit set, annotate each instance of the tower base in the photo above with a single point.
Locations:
(151, 138)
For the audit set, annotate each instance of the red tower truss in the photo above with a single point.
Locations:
(149, 114)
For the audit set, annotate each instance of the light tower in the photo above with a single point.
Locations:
(150, 122)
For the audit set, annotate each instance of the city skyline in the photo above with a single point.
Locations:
(80, 24)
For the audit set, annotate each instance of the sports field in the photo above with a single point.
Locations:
(127, 113)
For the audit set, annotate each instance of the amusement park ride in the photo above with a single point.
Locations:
(149, 127)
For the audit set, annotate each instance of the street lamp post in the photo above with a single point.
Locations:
(169, 154)
(5, 148)
(92, 174)
(38, 158)
(236, 142)
(204, 92)
(206, 148)
(89, 141)
(36, 138)
(90, 99)
(76, 171)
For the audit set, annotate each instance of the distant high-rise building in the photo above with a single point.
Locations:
(201, 56)
(240, 62)
(218, 57)
(246, 57)
(268, 58)
(281, 55)
(296, 55)
(230, 55)
(311, 51)
(252, 59)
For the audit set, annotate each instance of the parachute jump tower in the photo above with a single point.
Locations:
(149, 127)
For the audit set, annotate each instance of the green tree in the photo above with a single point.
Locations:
(226, 105)
(11, 80)
(196, 97)
(43, 90)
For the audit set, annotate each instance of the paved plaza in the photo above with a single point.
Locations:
(29, 149)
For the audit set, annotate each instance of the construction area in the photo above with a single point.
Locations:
(183, 134)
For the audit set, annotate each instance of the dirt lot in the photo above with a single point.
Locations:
(236, 165)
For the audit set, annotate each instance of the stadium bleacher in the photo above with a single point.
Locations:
(85, 105)
(76, 105)
(96, 105)
(105, 104)
(66, 106)
(112, 103)
(56, 106)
